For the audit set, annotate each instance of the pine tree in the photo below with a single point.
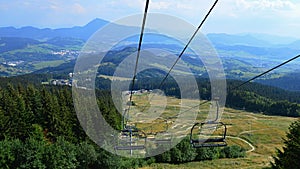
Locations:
(17, 120)
(289, 158)
(33, 102)
(4, 119)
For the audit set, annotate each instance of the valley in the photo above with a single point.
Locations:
(39, 121)
(242, 56)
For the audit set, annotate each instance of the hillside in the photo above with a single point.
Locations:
(275, 93)
(264, 133)
(47, 125)
(289, 81)
(19, 56)
(9, 43)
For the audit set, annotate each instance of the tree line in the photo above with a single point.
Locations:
(252, 97)
(39, 129)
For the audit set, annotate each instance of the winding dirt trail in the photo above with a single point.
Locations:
(245, 141)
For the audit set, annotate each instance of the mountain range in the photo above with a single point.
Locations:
(80, 32)
(262, 46)
(84, 32)
(28, 49)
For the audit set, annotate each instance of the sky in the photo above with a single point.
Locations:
(278, 17)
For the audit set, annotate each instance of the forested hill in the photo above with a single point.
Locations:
(269, 92)
(274, 93)
(264, 99)
(253, 97)
(289, 81)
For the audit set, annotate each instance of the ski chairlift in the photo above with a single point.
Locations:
(205, 136)
(166, 136)
(208, 140)
(163, 141)
(131, 139)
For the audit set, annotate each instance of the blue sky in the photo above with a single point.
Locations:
(279, 17)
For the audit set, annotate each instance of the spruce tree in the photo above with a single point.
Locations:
(289, 158)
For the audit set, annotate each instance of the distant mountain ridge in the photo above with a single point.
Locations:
(243, 55)
(84, 32)
(80, 32)
(13, 43)
(247, 40)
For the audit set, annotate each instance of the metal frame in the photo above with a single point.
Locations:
(210, 142)
(164, 141)
(128, 144)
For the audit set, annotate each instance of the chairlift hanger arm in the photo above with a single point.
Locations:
(138, 52)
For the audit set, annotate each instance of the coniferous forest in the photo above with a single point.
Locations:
(39, 128)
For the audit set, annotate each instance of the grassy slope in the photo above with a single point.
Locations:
(45, 64)
(265, 133)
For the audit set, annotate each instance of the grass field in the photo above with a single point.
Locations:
(115, 78)
(44, 64)
(260, 135)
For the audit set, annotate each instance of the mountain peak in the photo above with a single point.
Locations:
(97, 22)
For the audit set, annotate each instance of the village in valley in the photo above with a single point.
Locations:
(60, 82)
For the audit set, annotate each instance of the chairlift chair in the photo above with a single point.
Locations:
(211, 140)
(206, 136)
(167, 137)
(131, 139)
(164, 140)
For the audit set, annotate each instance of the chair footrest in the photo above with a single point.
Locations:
(209, 140)
(129, 147)
(209, 145)
(162, 141)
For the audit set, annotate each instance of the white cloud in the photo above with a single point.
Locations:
(259, 9)
(136, 4)
(161, 5)
(265, 4)
(54, 6)
(78, 9)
